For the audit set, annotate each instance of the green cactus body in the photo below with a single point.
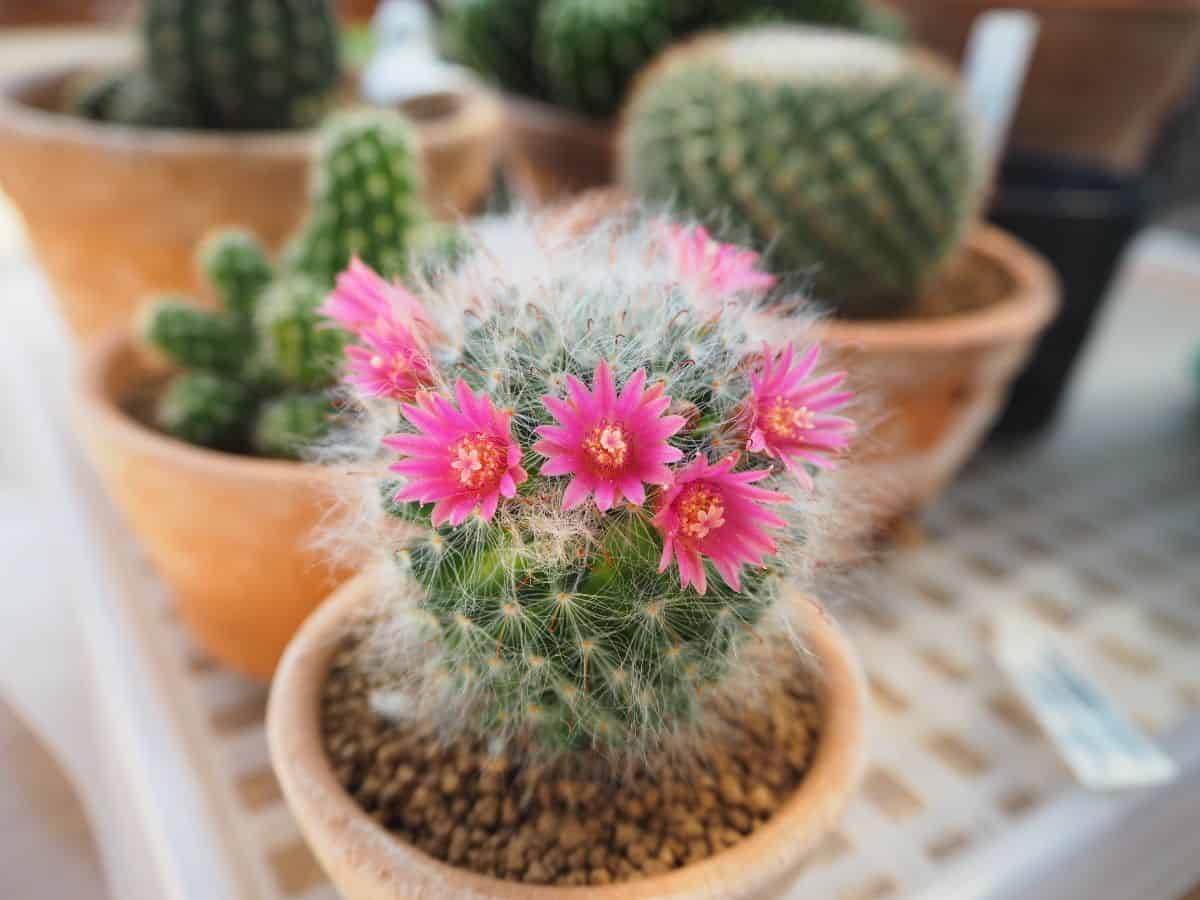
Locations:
(589, 50)
(840, 156)
(236, 265)
(289, 424)
(295, 343)
(194, 338)
(128, 98)
(495, 38)
(245, 64)
(206, 409)
(365, 198)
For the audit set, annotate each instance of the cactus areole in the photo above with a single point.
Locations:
(588, 480)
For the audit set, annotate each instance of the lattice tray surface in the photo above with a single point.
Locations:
(1107, 553)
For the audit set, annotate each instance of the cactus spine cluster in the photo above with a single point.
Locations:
(583, 54)
(225, 64)
(255, 374)
(585, 408)
(842, 157)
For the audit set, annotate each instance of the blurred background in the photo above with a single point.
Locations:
(1078, 500)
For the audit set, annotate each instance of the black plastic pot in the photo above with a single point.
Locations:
(1080, 218)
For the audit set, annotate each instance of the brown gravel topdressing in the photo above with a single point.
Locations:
(472, 810)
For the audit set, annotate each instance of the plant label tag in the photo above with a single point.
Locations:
(1103, 749)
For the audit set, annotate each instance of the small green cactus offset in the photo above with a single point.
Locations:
(842, 157)
(256, 372)
(224, 64)
(365, 198)
(584, 54)
(597, 496)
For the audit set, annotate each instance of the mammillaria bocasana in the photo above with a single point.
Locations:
(595, 476)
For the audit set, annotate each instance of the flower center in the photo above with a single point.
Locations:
(607, 446)
(785, 421)
(701, 512)
(478, 459)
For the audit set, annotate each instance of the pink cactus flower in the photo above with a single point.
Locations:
(787, 417)
(613, 445)
(364, 303)
(712, 268)
(462, 458)
(711, 511)
(388, 365)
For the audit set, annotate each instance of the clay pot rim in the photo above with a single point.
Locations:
(1029, 305)
(312, 790)
(476, 115)
(95, 402)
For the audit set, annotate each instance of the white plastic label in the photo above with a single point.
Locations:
(1101, 746)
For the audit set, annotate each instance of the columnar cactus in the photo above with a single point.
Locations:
(365, 198)
(255, 374)
(846, 157)
(597, 480)
(245, 64)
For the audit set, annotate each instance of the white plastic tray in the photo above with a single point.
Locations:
(1096, 532)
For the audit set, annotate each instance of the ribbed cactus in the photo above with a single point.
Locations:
(365, 197)
(267, 338)
(495, 38)
(841, 156)
(600, 480)
(245, 64)
(128, 98)
(589, 51)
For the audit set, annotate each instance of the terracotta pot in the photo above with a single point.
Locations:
(231, 535)
(940, 382)
(63, 12)
(1105, 74)
(553, 153)
(115, 214)
(365, 862)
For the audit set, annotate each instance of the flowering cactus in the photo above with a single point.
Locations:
(595, 477)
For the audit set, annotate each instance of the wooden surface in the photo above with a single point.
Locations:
(47, 850)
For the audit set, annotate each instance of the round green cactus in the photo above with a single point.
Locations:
(588, 52)
(245, 64)
(206, 410)
(840, 156)
(365, 197)
(495, 38)
(288, 425)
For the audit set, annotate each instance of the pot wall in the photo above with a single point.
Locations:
(232, 536)
(554, 154)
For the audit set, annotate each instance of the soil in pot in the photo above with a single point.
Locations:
(573, 825)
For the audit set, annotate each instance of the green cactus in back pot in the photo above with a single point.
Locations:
(256, 372)
(841, 156)
(495, 38)
(245, 64)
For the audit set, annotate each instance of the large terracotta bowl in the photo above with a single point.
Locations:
(115, 214)
(553, 154)
(367, 863)
(937, 384)
(231, 535)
